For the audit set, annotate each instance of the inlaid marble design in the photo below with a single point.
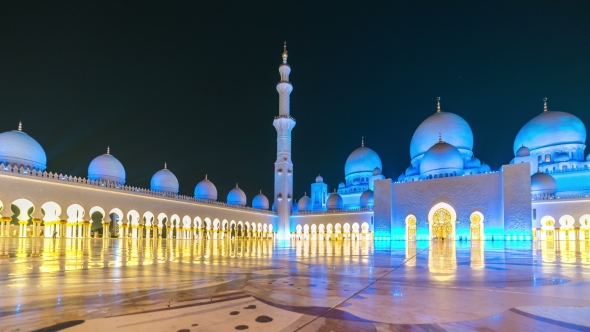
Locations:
(264, 285)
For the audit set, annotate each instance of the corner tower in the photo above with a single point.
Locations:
(284, 123)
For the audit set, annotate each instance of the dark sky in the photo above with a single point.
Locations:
(193, 83)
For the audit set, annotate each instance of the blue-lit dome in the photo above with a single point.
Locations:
(164, 180)
(260, 202)
(18, 148)
(304, 203)
(442, 157)
(484, 168)
(550, 128)
(362, 159)
(206, 190)
(295, 208)
(319, 179)
(523, 151)
(377, 171)
(401, 178)
(588, 157)
(473, 163)
(543, 183)
(453, 128)
(411, 170)
(107, 168)
(236, 196)
(367, 198)
(335, 201)
(341, 185)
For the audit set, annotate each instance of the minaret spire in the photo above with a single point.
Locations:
(437, 104)
(285, 54)
(545, 104)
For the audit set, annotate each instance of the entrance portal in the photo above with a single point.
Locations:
(441, 224)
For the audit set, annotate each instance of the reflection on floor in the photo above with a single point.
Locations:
(264, 285)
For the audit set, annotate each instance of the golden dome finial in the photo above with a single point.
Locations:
(108, 150)
(440, 138)
(285, 54)
(545, 104)
(165, 166)
(362, 140)
(20, 126)
(437, 104)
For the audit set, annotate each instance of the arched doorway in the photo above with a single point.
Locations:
(441, 220)
(476, 226)
(411, 228)
(548, 228)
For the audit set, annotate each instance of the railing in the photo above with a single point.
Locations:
(345, 209)
(117, 186)
(546, 197)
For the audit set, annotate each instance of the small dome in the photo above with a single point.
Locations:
(484, 168)
(453, 128)
(473, 163)
(367, 198)
(550, 128)
(412, 171)
(236, 196)
(562, 156)
(304, 203)
(441, 157)
(295, 208)
(401, 178)
(377, 171)
(362, 159)
(543, 183)
(164, 180)
(335, 201)
(588, 157)
(341, 185)
(106, 168)
(206, 190)
(20, 149)
(319, 179)
(523, 151)
(260, 202)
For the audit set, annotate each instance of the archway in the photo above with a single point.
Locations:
(548, 228)
(476, 219)
(566, 227)
(411, 227)
(585, 227)
(441, 221)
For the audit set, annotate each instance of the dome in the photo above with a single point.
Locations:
(441, 157)
(401, 178)
(335, 201)
(543, 183)
(206, 190)
(236, 196)
(341, 185)
(304, 203)
(523, 151)
(412, 171)
(260, 202)
(377, 171)
(588, 157)
(484, 168)
(319, 179)
(473, 163)
(367, 198)
(452, 127)
(107, 168)
(362, 159)
(562, 156)
(18, 148)
(550, 128)
(295, 208)
(164, 180)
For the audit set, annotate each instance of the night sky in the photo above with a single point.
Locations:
(193, 83)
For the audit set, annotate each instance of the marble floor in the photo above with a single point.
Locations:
(265, 285)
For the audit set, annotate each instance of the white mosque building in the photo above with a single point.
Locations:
(446, 192)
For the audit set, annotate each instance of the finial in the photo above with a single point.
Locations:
(440, 138)
(236, 184)
(165, 166)
(437, 104)
(285, 54)
(545, 104)
(20, 126)
(362, 140)
(305, 193)
(205, 176)
(108, 150)
(261, 191)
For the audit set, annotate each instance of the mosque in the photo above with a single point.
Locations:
(445, 193)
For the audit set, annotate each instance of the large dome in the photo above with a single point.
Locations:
(335, 201)
(543, 183)
(304, 203)
(441, 157)
(550, 128)
(107, 168)
(362, 159)
(236, 196)
(452, 127)
(164, 180)
(260, 202)
(206, 190)
(18, 148)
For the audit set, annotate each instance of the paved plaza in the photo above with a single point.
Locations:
(265, 285)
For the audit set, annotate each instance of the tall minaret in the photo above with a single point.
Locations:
(284, 123)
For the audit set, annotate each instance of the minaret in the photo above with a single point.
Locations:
(284, 123)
